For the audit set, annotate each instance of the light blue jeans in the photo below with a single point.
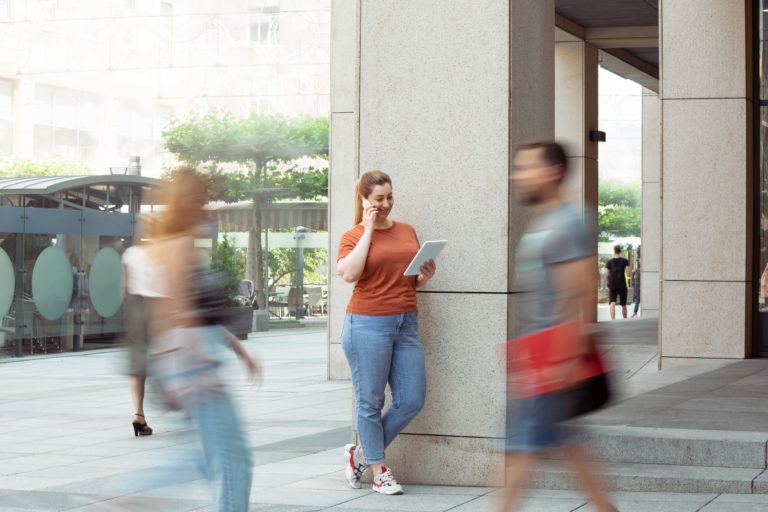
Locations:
(381, 350)
(226, 452)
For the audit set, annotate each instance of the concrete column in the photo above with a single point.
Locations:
(706, 184)
(23, 118)
(575, 115)
(650, 269)
(345, 55)
(440, 108)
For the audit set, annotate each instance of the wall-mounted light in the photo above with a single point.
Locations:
(596, 136)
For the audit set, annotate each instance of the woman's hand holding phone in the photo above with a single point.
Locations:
(369, 215)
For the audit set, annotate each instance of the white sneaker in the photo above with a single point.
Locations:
(385, 483)
(353, 467)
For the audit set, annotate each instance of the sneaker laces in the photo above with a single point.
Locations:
(358, 468)
(386, 477)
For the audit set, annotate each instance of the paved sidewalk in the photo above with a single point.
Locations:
(67, 444)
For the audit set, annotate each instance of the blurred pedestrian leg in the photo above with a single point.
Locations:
(226, 452)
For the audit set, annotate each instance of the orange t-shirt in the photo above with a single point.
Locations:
(382, 288)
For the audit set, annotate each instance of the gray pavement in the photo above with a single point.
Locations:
(67, 443)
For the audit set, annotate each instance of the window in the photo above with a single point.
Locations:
(40, 9)
(5, 10)
(66, 123)
(261, 105)
(265, 26)
(6, 117)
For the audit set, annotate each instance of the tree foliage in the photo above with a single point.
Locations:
(259, 158)
(15, 166)
(244, 156)
(231, 262)
(619, 211)
(282, 265)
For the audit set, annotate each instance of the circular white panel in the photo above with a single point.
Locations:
(105, 282)
(7, 283)
(52, 283)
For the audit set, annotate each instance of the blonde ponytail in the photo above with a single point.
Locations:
(358, 204)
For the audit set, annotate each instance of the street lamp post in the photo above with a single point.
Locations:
(299, 237)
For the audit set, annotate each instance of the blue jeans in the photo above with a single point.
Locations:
(226, 452)
(381, 350)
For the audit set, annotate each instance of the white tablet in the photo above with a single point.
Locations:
(429, 251)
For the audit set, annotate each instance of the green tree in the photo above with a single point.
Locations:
(619, 211)
(15, 166)
(282, 263)
(231, 261)
(256, 158)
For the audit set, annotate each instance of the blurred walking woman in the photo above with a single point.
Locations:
(380, 337)
(183, 358)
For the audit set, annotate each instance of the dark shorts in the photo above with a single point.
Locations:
(536, 424)
(620, 293)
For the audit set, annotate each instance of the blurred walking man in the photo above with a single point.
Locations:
(556, 263)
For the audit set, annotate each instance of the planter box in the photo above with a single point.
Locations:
(239, 320)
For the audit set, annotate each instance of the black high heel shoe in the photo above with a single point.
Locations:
(141, 429)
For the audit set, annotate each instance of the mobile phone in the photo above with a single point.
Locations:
(366, 203)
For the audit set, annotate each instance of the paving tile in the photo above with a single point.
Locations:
(308, 497)
(408, 502)
(738, 503)
(42, 500)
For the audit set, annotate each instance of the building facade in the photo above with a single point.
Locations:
(96, 81)
(439, 93)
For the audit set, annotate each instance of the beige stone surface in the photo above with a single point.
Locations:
(581, 182)
(575, 97)
(462, 334)
(338, 369)
(343, 175)
(705, 319)
(440, 460)
(651, 227)
(705, 224)
(650, 291)
(712, 35)
(667, 363)
(651, 136)
(339, 294)
(531, 72)
(345, 31)
(434, 115)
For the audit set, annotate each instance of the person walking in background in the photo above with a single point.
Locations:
(636, 293)
(617, 281)
(556, 260)
(185, 341)
(380, 337)
(138, 284)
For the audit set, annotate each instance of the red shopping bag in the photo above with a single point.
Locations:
(551, 360)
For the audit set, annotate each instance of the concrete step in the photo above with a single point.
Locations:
(554, 475)
(681, 447)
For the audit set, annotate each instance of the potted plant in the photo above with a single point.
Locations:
(230, 262)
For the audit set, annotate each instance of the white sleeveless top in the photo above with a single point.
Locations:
(145, 276)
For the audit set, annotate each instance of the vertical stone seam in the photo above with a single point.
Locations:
(660, 316)
(509, 183)
(359, 80)
(753, 270)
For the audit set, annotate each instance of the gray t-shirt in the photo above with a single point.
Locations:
(557, 236)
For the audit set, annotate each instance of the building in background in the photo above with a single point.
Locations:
(95, 81)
